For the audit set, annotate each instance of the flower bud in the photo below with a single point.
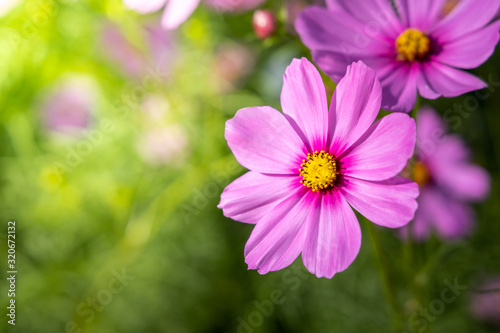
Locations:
(264, 23)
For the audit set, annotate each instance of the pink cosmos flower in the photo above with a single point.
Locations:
(412, 50)
(309, 164)
(178, 11)
(448, 181)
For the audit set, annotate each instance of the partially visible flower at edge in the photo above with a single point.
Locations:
(178, 11)
(412, 50)
(448, 181)
(309, 164)
(485, 304)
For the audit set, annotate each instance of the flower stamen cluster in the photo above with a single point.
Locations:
(319, 171)
(420, 174)
(413, 45)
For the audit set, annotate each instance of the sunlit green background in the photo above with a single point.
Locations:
(117, 209)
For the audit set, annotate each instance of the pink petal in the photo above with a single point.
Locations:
(390, 203)
(178, 11)
(430, 132)
(383, 151)
(425, 86)
(471, 50)
(468, 16)
(421, 226)
(252, 196)
(442, 154)
(451, 82)
(145, 6)
(263, 140)
(277, 240)
(400, 88)
(322, 29)
(354, 107)
(376, 14)
(335, 64)
(334, 237)
(421, 14)
(337, 39)
(303, 100)
(464, 181)
(451, 219)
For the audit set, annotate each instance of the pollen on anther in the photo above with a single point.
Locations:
(319, 172)
(413, 45)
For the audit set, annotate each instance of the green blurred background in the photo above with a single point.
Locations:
(117, 228)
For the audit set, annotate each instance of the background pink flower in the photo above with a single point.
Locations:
(414, 50)
(234, 5)
(68, 108)
(448, 181)
(159, 53)
(177, 11)
(166, 145)
(485, 304)
(343, 160)
(232, 63)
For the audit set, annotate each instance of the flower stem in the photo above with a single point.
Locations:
(418, 104)
(383, 269)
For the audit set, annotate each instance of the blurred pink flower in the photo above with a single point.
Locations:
(309, 165)
(414, 50)
(166, 145)
(448, 181)
(485, 305)
(233, 62)
(158, 56)
(234, 5)
(155, 108)
(68, 109)
(293, 9)
(264, 23)
(178, 11)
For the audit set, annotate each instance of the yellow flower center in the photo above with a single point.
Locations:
(420, 174)
(319, 171)
(413, 45)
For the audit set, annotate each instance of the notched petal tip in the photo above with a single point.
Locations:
(299, 63)
(360, 65)
(304, 103)
(355, 106)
